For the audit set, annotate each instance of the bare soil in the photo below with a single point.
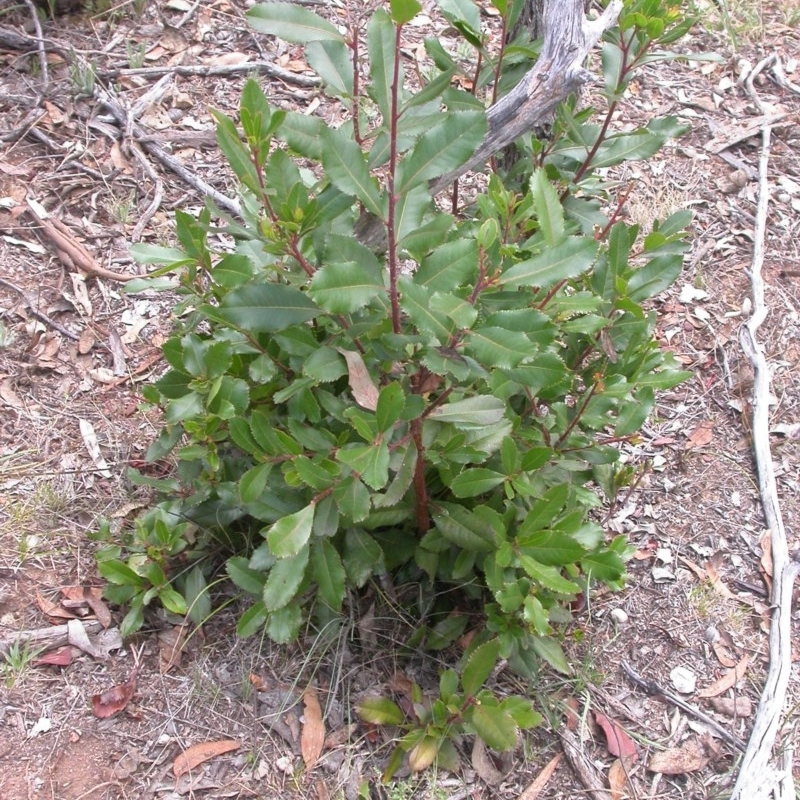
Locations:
(75, 350)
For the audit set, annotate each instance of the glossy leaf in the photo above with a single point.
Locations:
(292, 23)
(495, 726)
(478, 666)
(566, 260)
(284, 580)
(345, 165)
(264, 307)
(380, 711)
(328, 572)
(291, 533)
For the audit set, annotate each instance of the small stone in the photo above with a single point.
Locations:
(683, 679)
(619, 616)
(711, 634)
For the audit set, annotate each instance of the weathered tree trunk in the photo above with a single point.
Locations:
(568, 36)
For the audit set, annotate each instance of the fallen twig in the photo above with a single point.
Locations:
(653, 689)
(40, 315)
(582, 766)
(40, 45)
(758, 778)
(46, 638)
(126, 123)
(215, 70)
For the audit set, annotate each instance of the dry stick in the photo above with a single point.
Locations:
(40, 315)
(207, 71)
(124, 121)
(39, 42)
(758, 779)
(46, 638)
(158, 196)
(652, 688)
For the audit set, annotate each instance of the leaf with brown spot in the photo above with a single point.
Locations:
(364, 390)
(689, 757)
(534, 789)
(617, 741)
(312, 737)
(198, 753)
(728, 680)
(115, 699)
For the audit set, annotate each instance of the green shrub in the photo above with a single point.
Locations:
(443, 410)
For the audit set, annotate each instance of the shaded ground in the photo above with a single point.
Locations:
(69, 377)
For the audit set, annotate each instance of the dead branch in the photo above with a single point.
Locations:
(40, 315)
(125, 121)
(758, 779)
(208, 71)
(582, 766)
(45, 638)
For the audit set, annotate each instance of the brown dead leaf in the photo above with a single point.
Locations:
(700, 436)
(689, 757)
(571, 714)
(766, 553)
(115, 699)
(258, 682)
(728, 680)
(364, 390)
(535, 788)
(483, 765)
(87, 597)
(312, 737)
(723, 654)
(618, 778)
(171, 642)
(198, 753)
(338, 737)
(55, 658)
(52, 609)
(617, 741)
(740, 707)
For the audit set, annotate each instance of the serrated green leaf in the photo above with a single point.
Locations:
(445, 632)
(352, 499)
(236, 153)
(473, 411)
(381, 50)
(655, 276)
(604, 566)
(380, 711)
(289, 535)
(253, 482)
(443, 148)
(284, 625)
(343, 288)
(403, 11)
(328, 571)
(473, 482)
(172, 601)
(498, 347)
(370, 461)
(324, 365)
(157, 255)
(451, 264)
(114, 571)
(464, 528)
(264, 307)
(284, 580)
(409, 214)
(571, 257)
(197, 599)
(424, 753)
(549, 212)
(331, 61)
(416, 303)
(302, 133)
(391, 402)
(551, 547)
(232, 270)
(548, 577)
(292, 23)
(363, 556)
(548, 649)
(479, 666)
(461, 11)
(345, 165)
(252, 620)
(495, 726)
(247, 579)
